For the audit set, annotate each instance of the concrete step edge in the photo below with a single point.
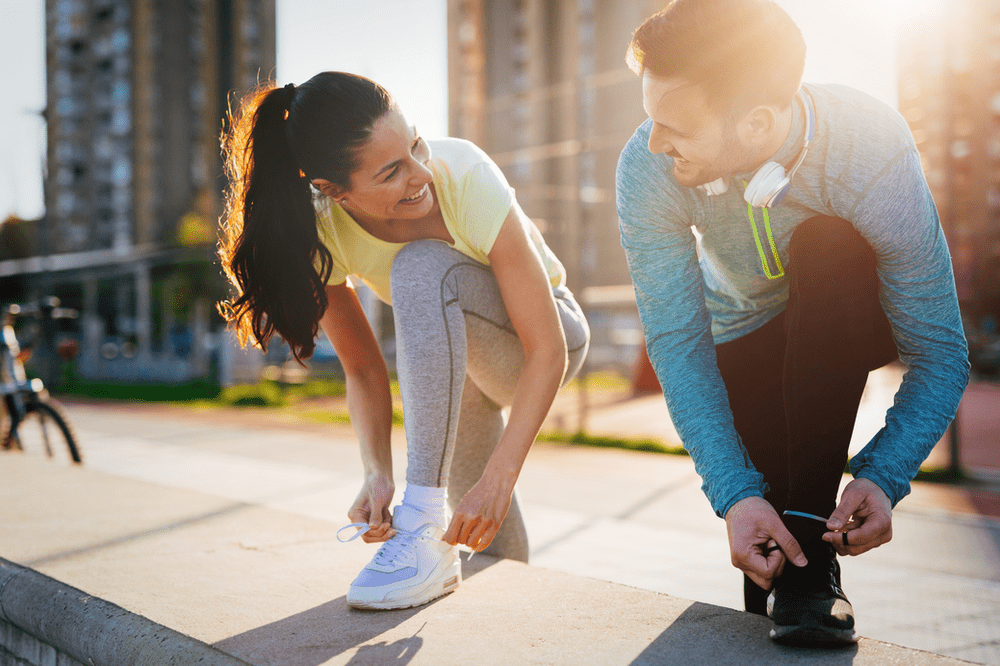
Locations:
(92, 630)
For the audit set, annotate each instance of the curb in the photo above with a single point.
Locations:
(91, 630)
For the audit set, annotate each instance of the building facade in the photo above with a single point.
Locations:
(949, 93)
(137, 92)
(542, 86)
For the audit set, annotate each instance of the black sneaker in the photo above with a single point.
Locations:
(808, 605)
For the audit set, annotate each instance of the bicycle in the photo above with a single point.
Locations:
(27, 399)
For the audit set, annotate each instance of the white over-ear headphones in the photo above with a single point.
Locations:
(770, 183)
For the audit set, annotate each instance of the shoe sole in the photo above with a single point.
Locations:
(434, 588)
(812, 636)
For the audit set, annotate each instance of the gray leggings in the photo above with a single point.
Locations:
(458, 360)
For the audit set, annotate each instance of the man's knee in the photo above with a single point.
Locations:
(829, 240)
(829, 254)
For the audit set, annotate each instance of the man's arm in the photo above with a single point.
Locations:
(662, 259)
(897, 216)
(892, 207)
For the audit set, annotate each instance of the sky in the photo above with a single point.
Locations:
(402, 45)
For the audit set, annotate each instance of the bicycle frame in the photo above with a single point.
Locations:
(15, 383)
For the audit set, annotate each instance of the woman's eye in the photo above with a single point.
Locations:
(417, 143)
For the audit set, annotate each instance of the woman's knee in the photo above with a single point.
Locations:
(419, 269)
(419, 256)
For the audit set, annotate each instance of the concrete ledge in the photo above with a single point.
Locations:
(505, 613)
(263, 584)
(90, 630)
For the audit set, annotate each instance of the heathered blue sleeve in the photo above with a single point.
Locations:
(662, 259)
(896, 215)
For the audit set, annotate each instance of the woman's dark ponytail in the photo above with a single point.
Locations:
(270, 246)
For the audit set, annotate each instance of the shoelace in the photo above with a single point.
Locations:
(812, 516)
(801, 514)
(390, 549)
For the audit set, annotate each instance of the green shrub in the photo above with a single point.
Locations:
(261, 394)
(151, 392)
(630, 444)
(317, 388)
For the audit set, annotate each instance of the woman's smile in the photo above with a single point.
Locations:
(418, 197)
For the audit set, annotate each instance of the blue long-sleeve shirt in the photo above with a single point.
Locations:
(699, 281)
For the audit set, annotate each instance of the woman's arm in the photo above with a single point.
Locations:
(369, 405)
(527, 296)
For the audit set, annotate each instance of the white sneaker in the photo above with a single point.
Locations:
(412, 568)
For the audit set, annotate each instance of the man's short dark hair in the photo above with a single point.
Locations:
(743, 52)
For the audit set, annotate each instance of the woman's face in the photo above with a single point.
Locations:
(392, 181)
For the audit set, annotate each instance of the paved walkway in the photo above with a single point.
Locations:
(632, 518)
(266, 586)
(615, 413)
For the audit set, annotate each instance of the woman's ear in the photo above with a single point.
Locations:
(328, 188)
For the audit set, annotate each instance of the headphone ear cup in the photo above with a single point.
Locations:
(716, 187)
(766, 185)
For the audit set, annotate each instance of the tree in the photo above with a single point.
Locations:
(17, 238)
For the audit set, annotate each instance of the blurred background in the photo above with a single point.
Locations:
(111, 180)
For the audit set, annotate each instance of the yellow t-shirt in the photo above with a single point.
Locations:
(475, 199)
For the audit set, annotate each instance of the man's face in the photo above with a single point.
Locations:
(704, 144)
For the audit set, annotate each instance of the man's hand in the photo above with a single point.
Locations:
(754, 528)
(864, 515)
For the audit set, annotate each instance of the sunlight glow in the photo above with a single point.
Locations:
(854, 42)
(896, 12)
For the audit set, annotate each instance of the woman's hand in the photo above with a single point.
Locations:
(372, 507)
(369, 403)
(527, 296)
(480, 514)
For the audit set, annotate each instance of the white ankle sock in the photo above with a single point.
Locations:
(428, 500)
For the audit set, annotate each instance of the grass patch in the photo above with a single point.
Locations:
(941, 475)
(336, 416)
(316, 388)
(182, 392)
(264, 393)
(261, 394)
(628, 444)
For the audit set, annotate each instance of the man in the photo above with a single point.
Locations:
(783, 243)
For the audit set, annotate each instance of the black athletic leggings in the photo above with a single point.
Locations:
(795, 383)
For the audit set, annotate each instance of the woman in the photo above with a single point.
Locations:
(329, 181)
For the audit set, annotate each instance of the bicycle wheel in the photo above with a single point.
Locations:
(48, 411)
(7, 439)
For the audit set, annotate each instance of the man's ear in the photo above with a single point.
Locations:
(756, 127)
(328, 188)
